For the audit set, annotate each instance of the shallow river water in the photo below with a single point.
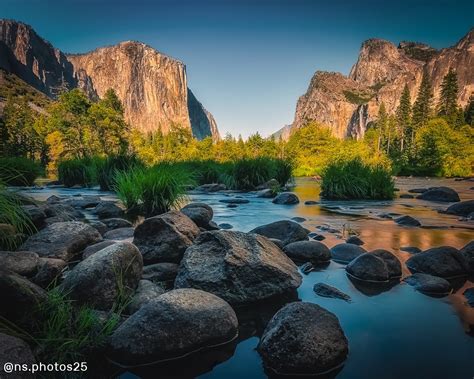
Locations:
(392, 333)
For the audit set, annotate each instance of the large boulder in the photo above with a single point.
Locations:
(239, 267)
(164, 238)
(36, 215)
(379, 266)
(17, 352)
(444, 261)
(115, 223)
(468, 253)
(119, 234)
(284, 230)
(287, 198)
(464, 208)
(407, 221)
(146, 292)
(100, 279)
(308, 251)
(442, 194)
(429, 284)
(303, 339)
(109, 209)
(160, 272)
(62, 240)
(200, 213)
(394, 266)
(22, 262)
(49, 270)
(346, 252)
(63, 212)
(174, 324)
(92, 249)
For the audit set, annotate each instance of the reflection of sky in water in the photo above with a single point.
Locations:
(395, 334)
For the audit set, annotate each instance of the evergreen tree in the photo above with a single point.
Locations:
(469, 111)
(403, 114)
(382, 125)
(448, 106)
(422, 106)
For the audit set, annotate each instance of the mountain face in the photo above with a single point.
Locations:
(152, 86)
(348, 104)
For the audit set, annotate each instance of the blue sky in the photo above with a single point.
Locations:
(247, 61)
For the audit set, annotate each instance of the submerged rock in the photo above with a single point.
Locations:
(286, 198)
(22, 262)
(316, 236)
(116, 223)
(444, 261)
(146, 292)
(442, 194)
(429, 284)
(164, 238)
(311, 202)
(172, 325)
(239, 267)
(308, 251)
(303, 338)
(234, 200)
(464, 208)
(99, 280)
(407, 221)
(284, 230)
(200, 213)
(325, 290)
(346, 252)
(62, 240)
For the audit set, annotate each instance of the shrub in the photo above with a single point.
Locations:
(19, 171)
(282, 171)
(249, 173)
(354, 179)
(108, 168)
(153, 190)
(81, 172)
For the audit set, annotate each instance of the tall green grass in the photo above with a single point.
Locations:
(354, 179)
(82, 172)
(19, 171)
(155, 190)
(110, 166)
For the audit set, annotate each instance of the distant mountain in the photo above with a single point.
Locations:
(348, 104)
(283, 133)
(152, 86)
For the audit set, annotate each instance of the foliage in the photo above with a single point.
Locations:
(358, 98)
(422, 107)
(448, 96)
(354, 179)
(469, 111)
(18, 171)
(81, 172)
(249, 173)
(107, 168)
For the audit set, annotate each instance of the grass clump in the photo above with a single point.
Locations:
(82, 172)
(19, 171)
(155, 190)
(353, 179)
(110, 166)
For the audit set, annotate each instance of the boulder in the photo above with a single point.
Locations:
(36, 214)
(146, 292)
(406, 196)
(22, 262)
(164, 238)
(429, 284)
(284, 230)
(92, 249)
(15, 351)
(316, 236)
(369, 268)
(346, 252)
(108, 209)
(119, 234)
(83, 202)
(272, 183)
(444, 261)
(266, 193)
(62, 240)
(325, 290)
(418, 190)
(234, 200)
(298, 219)
(200, 213)
(100, 226)
(355, 240)
(286, 198)
(172, 325)
(116, 223)
(99, 280)
(311, 202)
(442, 194)
(62, 211)
(308, 251)
(49, 270)
(225, 226)
(407, 221)
(411, 249)
(277, 242)
(241, 268)
(303, 339)
(468, 253)
(160, 272)
(394, 266)
(463, 208)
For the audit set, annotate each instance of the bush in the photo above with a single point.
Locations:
(249, 173)
(82, 172)
(282, 171)
(18, 171)
(108, 168)
(354, 179)
(153, 190)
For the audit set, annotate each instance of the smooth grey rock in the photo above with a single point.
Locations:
(22, 262)
(308, 251)
(429, 284)
(277, 242)
(119, 234)
(100, 226)
(160, 272)
(63, 211)
(316, 236)
(442, 194)
(298, 219)
(200, 213)
(92, 249)
(62, 240)
(116, 223)
(444, 261)
(17, 352)
(99, 280)
(406, 196)
(49, 270)
(164, 238)
(325, 290)
(241, 268)
(468, 253)
(368, 267)
(266, 193)
(463, 208)
(286, 198)
(355, 240)
(234, 200)
(303, 338)
(407, 221)
(225, 226)
(284, 230)
(212, 187)
(411, 249)
(172, 325)
(394, 266)
(36, 214)
(146, 292)
(108, 209)
(346, 252)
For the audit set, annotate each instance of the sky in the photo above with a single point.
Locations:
(247, 61)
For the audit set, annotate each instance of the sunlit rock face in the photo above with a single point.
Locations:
(348, 104)
(152, 86)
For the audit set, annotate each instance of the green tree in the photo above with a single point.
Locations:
(422, 107)
(403, 114)
(447, 105)
(469, 111)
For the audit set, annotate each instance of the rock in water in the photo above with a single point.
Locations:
(355, 240)
(308, 251)
(429, 284)
(15, 351)
(164, 238)
(468, 253)
(394, 266)
(442, 194)
(464, 208)
(444, 261)
(115, 223)
(200, 213)
(346, 252)
(109, 209)
(62, 240)
(286, 198)
(174, 324)
(325, 290)
(407, 221)
(99, 280)
(303, 339)
(369, 268)
(286, 231)
(239, 267)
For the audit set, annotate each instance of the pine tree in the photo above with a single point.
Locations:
(448, 106)
(469, 111)
(403, 113)
(382, 125)
(422, 106)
